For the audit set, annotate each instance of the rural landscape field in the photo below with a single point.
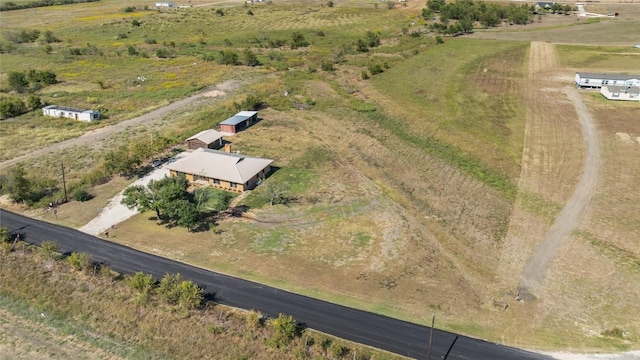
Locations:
(426, 174)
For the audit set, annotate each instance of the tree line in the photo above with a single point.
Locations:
(10, 5)
(458, 17)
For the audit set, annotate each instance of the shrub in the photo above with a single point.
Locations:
(254, 319)
(327, 66)
(11, 106)
(79, 261)
(141, 282)
(285, 329)
(129, 9)
(375, 69)
(298, 40)
(364, 74)
(33, 101)
(82, 195)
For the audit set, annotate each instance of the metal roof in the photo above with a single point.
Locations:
(623, 89)
(608, 76)
(239, 117)
(220, 165)
(66, 108)
(207, 136)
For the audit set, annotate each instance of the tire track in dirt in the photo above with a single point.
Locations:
(543, 57)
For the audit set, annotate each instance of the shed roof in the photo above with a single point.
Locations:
(608, 76)
(239, 117)
(207, 136)
(221, 165)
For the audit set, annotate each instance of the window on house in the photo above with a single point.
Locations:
(234, 185)
(615, 94)
(605, 82)
(216, 182)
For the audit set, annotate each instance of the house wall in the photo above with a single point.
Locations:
(620, 95)
(87, 116)
(196, 144)
(599, 82)
(226, 185)
(228, 128)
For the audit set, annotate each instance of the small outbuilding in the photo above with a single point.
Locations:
(220, 169)
(165, 4)
(208, 139)
(239, 121)
(597, 80)
(71, 113)
(628, 93)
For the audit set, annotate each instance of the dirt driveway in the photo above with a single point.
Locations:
(543, 62)
(106, 132)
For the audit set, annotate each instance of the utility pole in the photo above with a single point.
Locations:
(433, 320)
(64, 183)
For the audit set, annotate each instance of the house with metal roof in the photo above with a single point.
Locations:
(239, 121)
(221, 169)
(71, 113)
(628, 93)
(209, 139)
(597, 80)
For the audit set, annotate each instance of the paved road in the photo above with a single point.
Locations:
(367, 328)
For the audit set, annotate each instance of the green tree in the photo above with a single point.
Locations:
(228, 57)
(11, 106)
(169, 288)
(373, 39)
(186, 214)
(17, 81)
(191, 296)
(284, 330)
(121, 161)
(33, 101)
(143, 198)
(141, 282)
(81, 194)
(250, 58)
(18, 185)
(79, 261)
(275, 193)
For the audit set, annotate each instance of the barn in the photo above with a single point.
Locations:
(628, 93)
(596, 80)
(71, 113)
(220, 169)
(239, 121)
(208, 139)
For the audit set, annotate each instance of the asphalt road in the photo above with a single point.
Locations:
(363, 327)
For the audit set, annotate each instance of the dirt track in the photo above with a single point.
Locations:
(106, 132)
(543, 57)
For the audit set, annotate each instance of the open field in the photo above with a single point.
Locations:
(422, 190)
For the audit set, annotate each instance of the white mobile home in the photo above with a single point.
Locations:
(71, 113)
(628, 93)
(596, 80)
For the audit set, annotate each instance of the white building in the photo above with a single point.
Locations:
(628, 93)
(596, 80)
(165, 4)
(72, 113)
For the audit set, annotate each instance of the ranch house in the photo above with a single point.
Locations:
(239, 121)
(209, 139)
(628, 93)
(595, 80)
(71, 113)
(220, 169)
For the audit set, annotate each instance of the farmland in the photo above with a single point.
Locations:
(422, 189)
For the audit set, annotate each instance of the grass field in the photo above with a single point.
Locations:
(411, 194)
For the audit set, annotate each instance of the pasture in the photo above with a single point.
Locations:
(420, 190)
